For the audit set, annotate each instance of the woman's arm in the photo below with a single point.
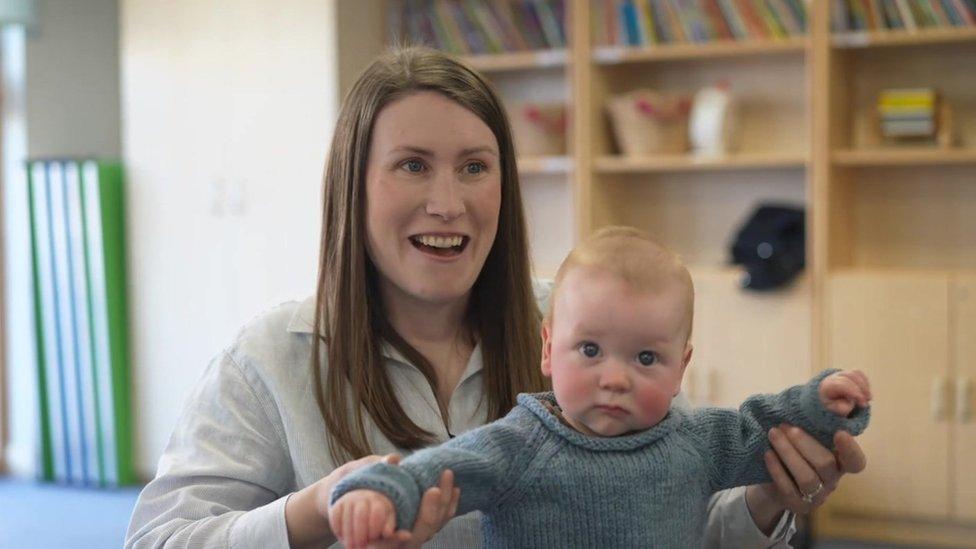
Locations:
(225, 475)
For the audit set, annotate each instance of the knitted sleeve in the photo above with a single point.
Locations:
(486, 463)
(734, 441)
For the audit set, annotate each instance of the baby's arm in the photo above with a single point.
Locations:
(485, 462)
(734, 441)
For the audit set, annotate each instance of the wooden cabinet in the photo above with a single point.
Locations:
(746, 342)
(911, 332)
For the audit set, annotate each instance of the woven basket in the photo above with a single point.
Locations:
(539, 129)
(645, 122)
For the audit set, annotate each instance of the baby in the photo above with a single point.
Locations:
(603, 460)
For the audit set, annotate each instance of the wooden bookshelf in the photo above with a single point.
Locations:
(904, 156)
(690, 162)
(534, 165)
(877, 39)
(891, 232)
(517, 61)
(608, 55)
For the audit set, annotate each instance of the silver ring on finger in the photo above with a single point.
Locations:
(808, 498)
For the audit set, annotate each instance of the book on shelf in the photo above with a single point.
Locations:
(642, 23)
(78, 268)
(909, 15)
(475, 27)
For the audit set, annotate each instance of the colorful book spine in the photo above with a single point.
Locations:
(77, 244)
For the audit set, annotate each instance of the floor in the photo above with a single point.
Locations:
(42, 516)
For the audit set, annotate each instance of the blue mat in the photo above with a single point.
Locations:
(46, 516)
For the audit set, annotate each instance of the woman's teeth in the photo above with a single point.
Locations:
(440, 241)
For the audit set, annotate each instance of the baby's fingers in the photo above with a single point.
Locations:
(842, 387)
(861, 379)
(380, 521)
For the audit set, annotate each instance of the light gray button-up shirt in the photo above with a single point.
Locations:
(250, 434)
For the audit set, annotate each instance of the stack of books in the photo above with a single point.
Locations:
(909, 15)
(908, 112)
(78, 262)
(638, 23)
(466, 27)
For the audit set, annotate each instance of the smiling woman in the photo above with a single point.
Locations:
(425, 325)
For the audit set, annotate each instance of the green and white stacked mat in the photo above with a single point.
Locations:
(78, 251)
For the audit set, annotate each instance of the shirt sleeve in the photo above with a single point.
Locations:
(213, 486)
(730, 525)
(486, 463)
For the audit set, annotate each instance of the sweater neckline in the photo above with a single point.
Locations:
(536, 403)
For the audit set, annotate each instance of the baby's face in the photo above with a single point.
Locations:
(616, 356)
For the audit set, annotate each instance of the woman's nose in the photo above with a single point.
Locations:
(444, 198)
(614, 378)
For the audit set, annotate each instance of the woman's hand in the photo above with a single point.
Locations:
(436, 508)
(307, 511)
(800, 466)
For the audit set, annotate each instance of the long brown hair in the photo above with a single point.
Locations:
(349, 314)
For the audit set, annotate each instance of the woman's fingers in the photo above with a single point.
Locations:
(802, 472)
(849, 456)
(822, 460)
(781, 479)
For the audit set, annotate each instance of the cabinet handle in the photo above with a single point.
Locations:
(964, 399)
(940, 398)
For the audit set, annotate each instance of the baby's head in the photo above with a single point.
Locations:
(616, 335)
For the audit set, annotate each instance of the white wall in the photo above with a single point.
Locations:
(61, 98)
(227, 111)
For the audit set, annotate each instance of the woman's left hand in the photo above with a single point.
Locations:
(437, 506)
(804, 472)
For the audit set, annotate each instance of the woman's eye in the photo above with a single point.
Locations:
(413, 166)
(647, 358)
(475, 168)
(590, 350)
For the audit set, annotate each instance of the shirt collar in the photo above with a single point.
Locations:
(303, 319)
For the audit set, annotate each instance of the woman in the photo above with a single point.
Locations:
(425, 325)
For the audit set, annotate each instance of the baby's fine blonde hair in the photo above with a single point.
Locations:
(642, 262)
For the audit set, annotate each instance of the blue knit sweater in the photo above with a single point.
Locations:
(539, 483)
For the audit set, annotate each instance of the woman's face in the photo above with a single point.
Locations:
(433, 193)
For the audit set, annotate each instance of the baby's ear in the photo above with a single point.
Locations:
(546, 348)
(685, 360)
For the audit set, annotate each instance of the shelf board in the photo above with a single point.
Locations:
(691, 162)
(870, 39)
(904, 156)
(514, 61)
(611, 55)
(545, 164)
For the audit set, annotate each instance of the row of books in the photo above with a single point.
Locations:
(478, 27)
(78, 263)
(648, 22)
(910, 15)
(908, 112)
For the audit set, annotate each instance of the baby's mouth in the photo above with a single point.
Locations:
(444, 246)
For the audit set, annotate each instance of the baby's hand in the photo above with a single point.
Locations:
(841, 392)
(361, 517)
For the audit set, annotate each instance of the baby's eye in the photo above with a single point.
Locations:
(475, 168)
(647, 358)
(590, 349)
(413, 166)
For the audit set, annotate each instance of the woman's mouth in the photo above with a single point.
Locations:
(440, 245)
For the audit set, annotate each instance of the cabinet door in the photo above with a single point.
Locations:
(746, 342)
(963, 304)
(895, 328)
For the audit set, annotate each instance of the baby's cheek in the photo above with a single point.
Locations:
(653, 404)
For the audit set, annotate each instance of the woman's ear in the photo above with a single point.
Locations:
(546, 348)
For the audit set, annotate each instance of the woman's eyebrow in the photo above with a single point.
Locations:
(427, 152)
